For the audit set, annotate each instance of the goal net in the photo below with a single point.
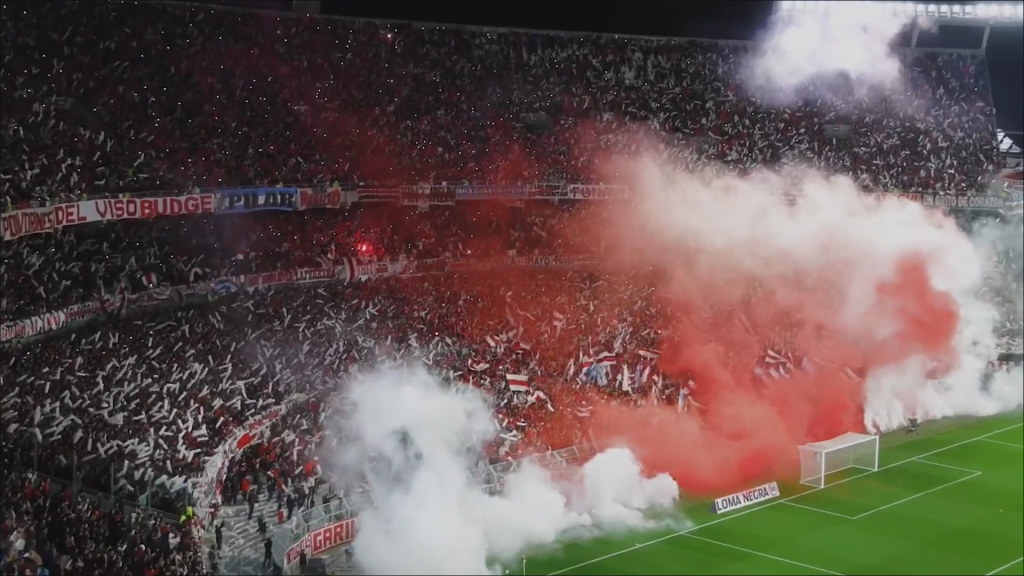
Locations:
(851, 450)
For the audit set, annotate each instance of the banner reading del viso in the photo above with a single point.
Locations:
(38, 220)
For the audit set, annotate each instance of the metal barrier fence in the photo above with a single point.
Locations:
(103, 499)
(312, 519)
(89, 476)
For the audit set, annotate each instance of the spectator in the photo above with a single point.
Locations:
(250, 498)
(268, 555)
(71, 130)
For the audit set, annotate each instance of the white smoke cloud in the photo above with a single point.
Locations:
(896, 393)
(431, 518)
(807, 46)
(729, 230)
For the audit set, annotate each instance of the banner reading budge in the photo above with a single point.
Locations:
(39, 220)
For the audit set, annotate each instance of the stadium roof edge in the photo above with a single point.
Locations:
(980, 14)
(576, 33)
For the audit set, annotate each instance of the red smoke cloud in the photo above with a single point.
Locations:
(747, 429)
(717, 322)
(720, 320)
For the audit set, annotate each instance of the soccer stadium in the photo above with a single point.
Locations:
(326, 288)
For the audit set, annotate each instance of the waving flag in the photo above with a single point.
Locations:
(517, 382)
(520, 347)
(607, 359)
(478, 365)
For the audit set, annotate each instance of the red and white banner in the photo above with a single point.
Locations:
(37, 220)
(321, 540)
(550, 261)
(367, 270)
(960, 201)
(48, 219)
(209, 485)
(309, 199)
(891, 196)
(518, 382)
(379, 194)
(268, 279)
(345, 269)
(140, 208)
(48, 321)
(27, 222)
(299, 276)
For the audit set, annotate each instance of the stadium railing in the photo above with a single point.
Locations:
(105, 500)
(306, 523)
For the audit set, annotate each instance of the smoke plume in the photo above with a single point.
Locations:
(842, 39)
(415, 441)
(881, 297)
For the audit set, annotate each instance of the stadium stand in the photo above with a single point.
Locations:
(108, 99)
(115, 98)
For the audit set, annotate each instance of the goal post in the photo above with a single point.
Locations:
(851, 450)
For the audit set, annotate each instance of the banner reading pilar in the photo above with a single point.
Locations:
(239, 200)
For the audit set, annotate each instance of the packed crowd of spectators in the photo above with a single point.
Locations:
(151, 396)
(84, 263)
(154, 394)
(106, 98)
(52, 529)
(113, 98)
(133, 407)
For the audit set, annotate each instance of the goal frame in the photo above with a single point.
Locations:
(855, 445)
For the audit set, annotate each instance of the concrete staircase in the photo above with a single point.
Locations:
(243, 545)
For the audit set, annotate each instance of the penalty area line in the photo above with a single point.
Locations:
(1001, 568)
(1001, 443)
(918, 495)
(773, 503)
(763, 555)
(819, 510)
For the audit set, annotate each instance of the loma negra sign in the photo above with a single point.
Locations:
(746, 498)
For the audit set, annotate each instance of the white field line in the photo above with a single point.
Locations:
(819, 510)
(972, 474)
(1001, 568)
(772, 503)
(1000, 442)
(918, 495)
(968, 470)
(763, 555)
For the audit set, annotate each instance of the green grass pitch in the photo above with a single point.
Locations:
(950, 501)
